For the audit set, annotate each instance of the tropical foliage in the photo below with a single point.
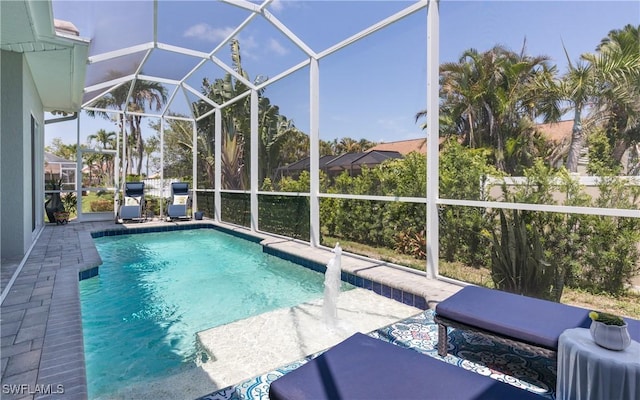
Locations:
(128, 106)
(493, 100)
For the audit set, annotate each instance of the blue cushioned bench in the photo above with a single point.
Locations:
(520, 321)
(362, 367)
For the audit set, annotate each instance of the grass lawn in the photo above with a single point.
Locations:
(627, 305)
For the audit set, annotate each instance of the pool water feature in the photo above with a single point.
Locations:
(155, 291)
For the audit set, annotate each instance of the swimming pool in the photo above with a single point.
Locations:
(155, 291)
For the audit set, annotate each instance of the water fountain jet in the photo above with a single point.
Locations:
(332, 288)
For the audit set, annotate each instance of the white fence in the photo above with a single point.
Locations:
(159, 187)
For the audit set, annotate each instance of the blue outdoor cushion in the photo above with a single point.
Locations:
(362, 367)
(534, 321)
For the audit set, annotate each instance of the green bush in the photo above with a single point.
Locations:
(462, 175)
(101, 205)
(518, 260)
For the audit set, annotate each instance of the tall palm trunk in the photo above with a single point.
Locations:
(576, 141)
(139, 144)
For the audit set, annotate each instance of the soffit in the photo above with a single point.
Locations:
(57, 61)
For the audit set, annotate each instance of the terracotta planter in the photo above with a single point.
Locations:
(612, 337)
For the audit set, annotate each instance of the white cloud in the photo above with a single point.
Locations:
(207, 32)
(276, 47)
(276, 5)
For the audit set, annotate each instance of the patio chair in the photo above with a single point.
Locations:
(180, 201)
(523, 322)
(133, 207)
(362, 367)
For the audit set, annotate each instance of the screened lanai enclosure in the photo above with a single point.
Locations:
(225, 94)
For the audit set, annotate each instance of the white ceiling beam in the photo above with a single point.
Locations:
(284, 74)
(375, 27)
(295, 39)
(109, 84)
(112, 84)
(182, 50)
(246, 4)
(205, 115)
(230, 70)
(233, 33)
(120, 52)
(178, 118)
(238, 97)
(170, 100)
(104, 110)
(200, 95)
(150, 78)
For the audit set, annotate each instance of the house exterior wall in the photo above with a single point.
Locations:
(20, 101)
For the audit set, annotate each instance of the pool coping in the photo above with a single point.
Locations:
(42, 342)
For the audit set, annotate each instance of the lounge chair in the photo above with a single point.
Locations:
(362, 367)
(520, 321)
(133, 207)
(180, 202)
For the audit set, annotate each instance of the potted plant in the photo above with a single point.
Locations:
(54, 201)
(609, 331)
(69, 206)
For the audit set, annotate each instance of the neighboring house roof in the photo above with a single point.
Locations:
(343, 161)
(557, 132)
(404, 147)
(375, 157)
(52, 158)
(53, 164)
(304, 164)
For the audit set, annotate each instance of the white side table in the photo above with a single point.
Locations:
(588, 371)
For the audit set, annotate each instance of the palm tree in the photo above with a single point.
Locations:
(489, 99)
(348, 145)
(274, 129)
(104, 140)
(577, 87)
(235, 122)
(616, 66)
(151, 146)
(144, 93)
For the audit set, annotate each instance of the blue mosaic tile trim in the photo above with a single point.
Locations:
(498, 361)
(398, 295)
(305, 262)
(87, 273)
(169, 228)
(90, 273)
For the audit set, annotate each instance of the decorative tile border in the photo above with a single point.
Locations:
(91, 272)
(88, 273)
(381, 289)
(169, 228)
(527, 371)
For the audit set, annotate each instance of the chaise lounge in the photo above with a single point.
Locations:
(362, 367)
(519, 321)
(179, 201)
(134, 203)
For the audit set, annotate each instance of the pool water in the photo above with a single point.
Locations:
(155, 291)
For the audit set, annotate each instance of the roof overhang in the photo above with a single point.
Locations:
(57, 59)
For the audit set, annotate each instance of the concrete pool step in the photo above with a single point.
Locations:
(262, 343)
(250, 347)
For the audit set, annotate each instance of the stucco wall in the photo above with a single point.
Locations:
(20, 100)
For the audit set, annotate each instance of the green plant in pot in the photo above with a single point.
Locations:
(609, 331)
(69, 206)
(53, 203)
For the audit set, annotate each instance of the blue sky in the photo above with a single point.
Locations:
(372, 89)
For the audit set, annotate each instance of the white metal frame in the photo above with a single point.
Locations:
(431, 199)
